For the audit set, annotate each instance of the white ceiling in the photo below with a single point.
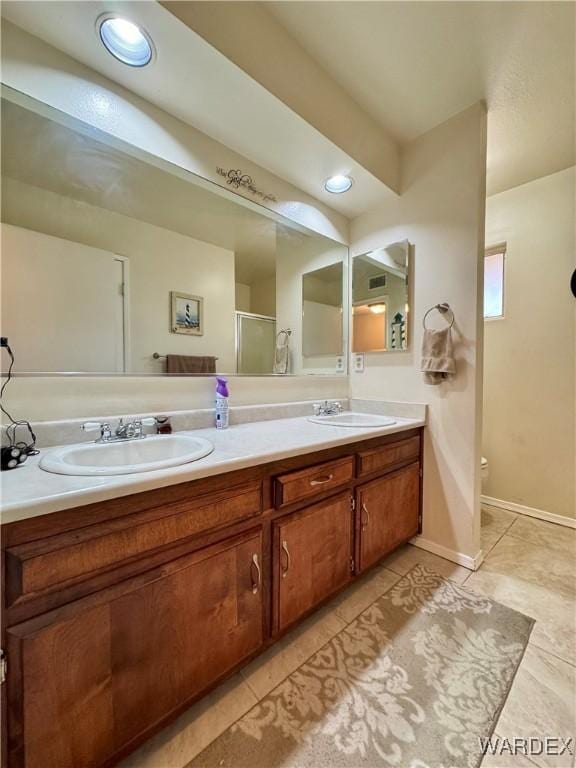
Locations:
(412, 65)
(227, 105)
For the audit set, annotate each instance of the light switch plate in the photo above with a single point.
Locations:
(358, 363)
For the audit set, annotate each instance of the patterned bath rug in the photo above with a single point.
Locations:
(413, 682)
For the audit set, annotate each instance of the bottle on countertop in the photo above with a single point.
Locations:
(222, 395)
(163, 425)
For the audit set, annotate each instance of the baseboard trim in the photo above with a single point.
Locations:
(540, 514)
(472, 563)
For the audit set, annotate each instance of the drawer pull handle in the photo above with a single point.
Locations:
(322, 480)
(366, 517)
(285, 550)
(256, 585)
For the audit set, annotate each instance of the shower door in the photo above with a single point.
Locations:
(255, 340)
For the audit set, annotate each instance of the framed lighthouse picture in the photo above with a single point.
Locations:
(186, 314)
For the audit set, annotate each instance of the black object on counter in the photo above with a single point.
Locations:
(163, 425)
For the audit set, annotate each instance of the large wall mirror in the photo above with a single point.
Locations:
(115, 263)
(380, 299)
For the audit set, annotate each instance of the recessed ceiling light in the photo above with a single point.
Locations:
(338, 184)
(377, 309)
(125, 40)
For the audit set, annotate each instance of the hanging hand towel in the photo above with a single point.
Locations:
(281, 353)
(437, 356)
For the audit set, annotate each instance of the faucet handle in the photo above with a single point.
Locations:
(96, 426)
(93, 426)
(317, 408)
(149, 421)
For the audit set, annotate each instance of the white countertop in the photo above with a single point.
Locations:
(29, 491)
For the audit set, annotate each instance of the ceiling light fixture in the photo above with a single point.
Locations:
(125, 40)
(377, 309)
(338, 184)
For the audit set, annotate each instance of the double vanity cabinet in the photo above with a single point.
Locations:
(118, 615)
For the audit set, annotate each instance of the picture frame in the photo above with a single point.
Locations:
(186, 314)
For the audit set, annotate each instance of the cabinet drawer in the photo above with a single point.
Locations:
(42, 565)
(388, 456)
(309, 482)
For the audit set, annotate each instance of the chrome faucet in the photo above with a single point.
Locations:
(327, 408)
(132, 430)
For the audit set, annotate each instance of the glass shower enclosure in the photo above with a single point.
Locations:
(255, 341)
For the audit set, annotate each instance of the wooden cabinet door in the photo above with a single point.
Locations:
(94, 676)
(388, 510)
(313, 556)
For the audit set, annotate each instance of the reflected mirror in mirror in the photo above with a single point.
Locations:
(322, 313)
(380, 299)
(117, 262)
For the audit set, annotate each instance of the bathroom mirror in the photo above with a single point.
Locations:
(116, 263)
(322, 313)
(380, 299)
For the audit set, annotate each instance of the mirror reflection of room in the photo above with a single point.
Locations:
(132, 267)
(380, 301)
(322, 311)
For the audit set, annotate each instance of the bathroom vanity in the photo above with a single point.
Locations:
(118, 614)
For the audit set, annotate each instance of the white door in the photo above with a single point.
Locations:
(62, 304)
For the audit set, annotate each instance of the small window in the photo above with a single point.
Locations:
(494, 281)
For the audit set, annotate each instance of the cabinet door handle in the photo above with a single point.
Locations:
(256, 584)
(322, 480)
(285, 550)
(366, 517)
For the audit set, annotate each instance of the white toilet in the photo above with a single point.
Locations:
(484, 470)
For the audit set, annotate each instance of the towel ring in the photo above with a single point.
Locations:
(443, 309)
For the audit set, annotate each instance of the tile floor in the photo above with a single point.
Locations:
(530, 566)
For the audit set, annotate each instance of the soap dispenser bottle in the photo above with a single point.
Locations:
(222, 395)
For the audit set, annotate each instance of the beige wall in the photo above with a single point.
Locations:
(442, 214)
(160, 261)
(242, 297)
(41, 398)
(529, 357)
(259, 297)
(263, 297)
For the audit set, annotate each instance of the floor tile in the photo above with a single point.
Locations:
(541, 704)
(556, 538)
(405, 558)
(489, 538)
(496, 519)
(180, 742)
(279, 661)
(553, 609)
(362, 593)
(533, 564)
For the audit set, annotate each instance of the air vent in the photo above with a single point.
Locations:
(377, 282)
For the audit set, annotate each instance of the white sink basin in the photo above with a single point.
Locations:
(122, 458)
(354, 420)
